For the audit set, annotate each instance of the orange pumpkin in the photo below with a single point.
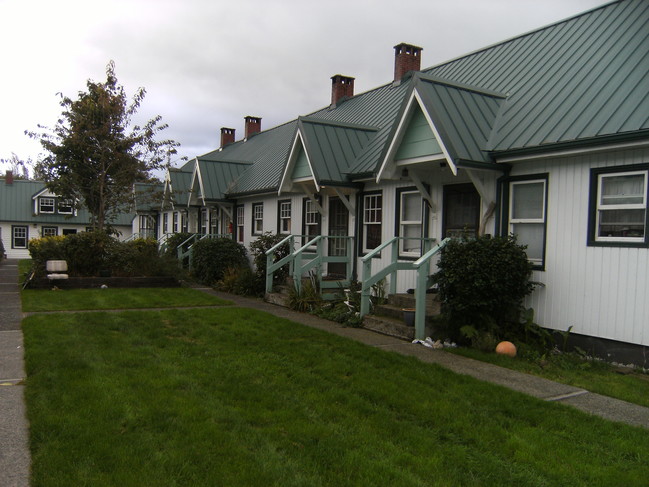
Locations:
(506, 348)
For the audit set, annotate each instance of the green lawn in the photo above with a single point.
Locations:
(594, 376)
(115, 298)
(236, 397)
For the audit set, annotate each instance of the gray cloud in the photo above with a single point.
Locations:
(207, 64)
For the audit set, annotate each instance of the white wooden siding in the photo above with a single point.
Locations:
(600, 291)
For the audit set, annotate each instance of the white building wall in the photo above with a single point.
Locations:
(600, 291)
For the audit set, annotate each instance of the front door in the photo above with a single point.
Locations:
(338, 227)
(461, 215)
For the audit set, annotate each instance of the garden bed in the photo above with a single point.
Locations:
(97, 282)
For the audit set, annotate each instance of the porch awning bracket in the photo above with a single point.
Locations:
(314, 200)
(423, 190)
(347, 201)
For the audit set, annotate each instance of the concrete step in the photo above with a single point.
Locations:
(408, 301)
(280, 299)
(389, 326)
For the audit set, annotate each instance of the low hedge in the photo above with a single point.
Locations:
(93, 253)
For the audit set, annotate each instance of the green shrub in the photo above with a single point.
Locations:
(240, 281)
(258, 250)
(174, 241)
(482, 284)
(212, 257)
(89, 253)
(139, 257)
(43, 249)
(306, 299)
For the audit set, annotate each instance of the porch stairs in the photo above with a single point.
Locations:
(389, 320)
(331, 289)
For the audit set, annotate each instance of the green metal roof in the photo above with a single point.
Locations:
(147, 196)
(581, 80)
(464, 116)
(332, 147)
(268, 150)
(17, 205)
(180, 181)
(217, 177)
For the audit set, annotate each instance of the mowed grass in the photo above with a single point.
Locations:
(592, 375)
(115, 298)
(236, 397)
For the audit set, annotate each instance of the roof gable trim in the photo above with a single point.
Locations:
(414, 101)
(286, 184)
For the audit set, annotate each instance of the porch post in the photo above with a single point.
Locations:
(365, 293)
(420, 301)
(394, 258)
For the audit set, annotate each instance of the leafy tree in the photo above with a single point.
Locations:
(18, 167)
(96, 153)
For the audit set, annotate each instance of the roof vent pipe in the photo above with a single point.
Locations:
(406, 58)
(341, 87)
(227, 136)
(253, 126)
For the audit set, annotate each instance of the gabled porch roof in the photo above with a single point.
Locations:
(323, 152)
(458, 119)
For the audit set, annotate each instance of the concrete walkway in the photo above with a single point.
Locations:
(14, 429)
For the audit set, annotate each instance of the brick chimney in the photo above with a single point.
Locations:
(341, 87)
(253, 126)
(406, 58)
(227, 136)
(9, 176)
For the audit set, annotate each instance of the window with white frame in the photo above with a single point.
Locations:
(411, 219)
(312, 219)
(184, 222)
(49, 231)
(204, 221)
(165, 223)
(284, 209)
(176, 228)
(66, 207)
(19, 237)
(527, 206)
(240, 223)
(257, 218)
(621, 207)
(45, 205)
(372, 220)
(214, 222)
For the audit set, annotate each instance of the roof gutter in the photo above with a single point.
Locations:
(597, 144)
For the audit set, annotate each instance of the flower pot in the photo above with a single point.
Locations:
(409, 316)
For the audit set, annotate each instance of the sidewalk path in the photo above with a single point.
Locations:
(14, 429)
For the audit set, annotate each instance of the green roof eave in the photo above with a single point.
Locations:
(573, 144)
(340, 184)
(477, 165)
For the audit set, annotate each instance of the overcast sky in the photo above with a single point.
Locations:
(206, 64)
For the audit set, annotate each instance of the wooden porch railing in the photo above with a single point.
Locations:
(421, 266)
(310, 256)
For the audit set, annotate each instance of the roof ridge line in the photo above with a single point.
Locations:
(335, 123)
(463, 86)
